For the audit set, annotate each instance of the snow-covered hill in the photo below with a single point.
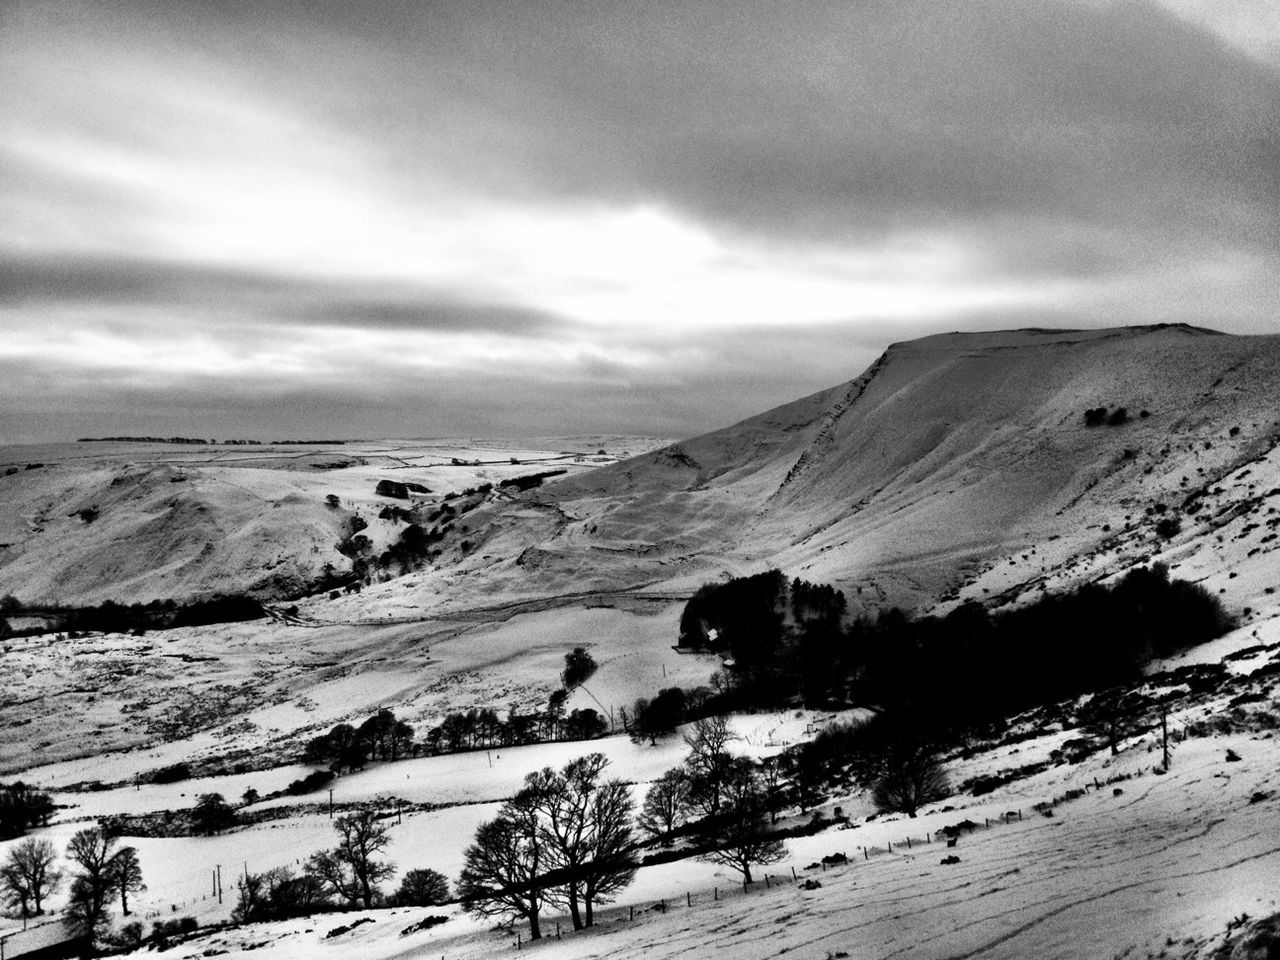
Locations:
(958, 466)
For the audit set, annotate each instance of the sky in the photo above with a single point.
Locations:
(263, 218)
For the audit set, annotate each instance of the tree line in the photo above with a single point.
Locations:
(384, 737)
(112, 617)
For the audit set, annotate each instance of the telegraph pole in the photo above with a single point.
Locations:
(1164, 733)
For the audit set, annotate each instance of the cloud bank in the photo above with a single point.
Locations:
(433, 219)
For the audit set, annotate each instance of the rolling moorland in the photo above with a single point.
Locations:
(995, 468)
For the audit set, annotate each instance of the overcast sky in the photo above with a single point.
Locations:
(437, 219)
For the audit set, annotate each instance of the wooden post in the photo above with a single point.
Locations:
(890, 843)
(688, 900)
(794, 878)
(633, 912)
(715, 893)
(865, 855)
(767, 885)
(1164, 733)
(908, 843)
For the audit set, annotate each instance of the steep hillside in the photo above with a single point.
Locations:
(926, 479)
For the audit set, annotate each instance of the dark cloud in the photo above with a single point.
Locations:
(257, 297)
(1122, 160)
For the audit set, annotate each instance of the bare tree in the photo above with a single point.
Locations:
(739, 832)
(502, 875)
(666, 805)
(126, 875)
(586, 825)
(352, 868)
(911, 778)
(335, 873)
(612, 865)
(708, 762)
(277, 894)
(28, 876)
(91, 850)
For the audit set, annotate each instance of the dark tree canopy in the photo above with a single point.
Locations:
(422, 887)
(578, 667)
(212, 814)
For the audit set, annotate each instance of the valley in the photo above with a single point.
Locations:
(959, 468)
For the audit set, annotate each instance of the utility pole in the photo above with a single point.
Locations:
(1164, 733)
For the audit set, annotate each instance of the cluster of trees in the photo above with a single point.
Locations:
(669, 708)
(410, 551)
(892, 755)
(972, 667)
(792, 642)
(483, 728)
(768, 625)
(22, 807)
(348, 875)
(729, 802)
(112, 617)
(101, 872)
(384, 737)
(381, 737)
(566, 838)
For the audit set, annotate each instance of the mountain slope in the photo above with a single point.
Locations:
(909, 484)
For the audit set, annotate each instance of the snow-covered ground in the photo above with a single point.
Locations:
(1146, 861)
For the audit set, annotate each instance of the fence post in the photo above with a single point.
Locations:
(794, 878)
(908, 843)
(766, 882)
(715, 893)
(688, 900)
(633, 912)
(865, 855)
